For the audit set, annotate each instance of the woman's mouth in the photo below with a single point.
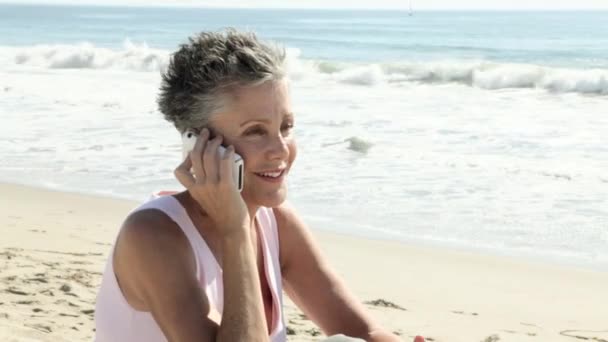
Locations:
(272, 176)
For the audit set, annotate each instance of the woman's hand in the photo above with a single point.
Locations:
(211, 184)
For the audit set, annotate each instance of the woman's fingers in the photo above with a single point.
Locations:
(211, 160)
(204, 162)
(196, 155)
(183, 174)
(208, 178)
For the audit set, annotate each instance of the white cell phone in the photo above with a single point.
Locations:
(188, 142)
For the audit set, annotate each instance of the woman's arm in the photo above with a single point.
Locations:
(243, 318)
(316, 288)
(154, 263)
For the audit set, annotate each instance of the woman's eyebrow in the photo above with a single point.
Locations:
(255, 120)
(286, 115)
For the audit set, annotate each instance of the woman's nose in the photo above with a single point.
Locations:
(279, 148)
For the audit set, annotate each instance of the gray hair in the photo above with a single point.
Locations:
(203, 72)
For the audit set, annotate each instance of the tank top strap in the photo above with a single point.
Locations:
(270, 241)
(171, 207)
(269, 225)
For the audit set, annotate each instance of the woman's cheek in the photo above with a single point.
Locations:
(246, 152)
(293, 149)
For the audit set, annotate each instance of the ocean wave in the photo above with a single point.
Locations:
(132, 56)
(484, 75)
(358, 144)
(355, 143)
(478, 74)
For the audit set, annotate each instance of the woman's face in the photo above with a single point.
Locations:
(258, 121)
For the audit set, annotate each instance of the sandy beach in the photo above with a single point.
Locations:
(54, 246)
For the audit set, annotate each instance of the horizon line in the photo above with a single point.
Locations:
(405, 9)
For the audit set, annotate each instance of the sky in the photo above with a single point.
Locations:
(349, 4)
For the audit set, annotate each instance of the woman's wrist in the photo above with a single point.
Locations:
(234, 232)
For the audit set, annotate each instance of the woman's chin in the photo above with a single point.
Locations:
(268, 199)
(277, 200)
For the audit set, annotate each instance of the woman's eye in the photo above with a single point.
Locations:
(255, 131)
(262, 131)
(287, 127)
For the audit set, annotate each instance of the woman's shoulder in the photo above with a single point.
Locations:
(290, 228)
(286, 217)
(155, 217)
(150, 250)
(150, 228)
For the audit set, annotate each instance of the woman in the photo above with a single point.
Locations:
(210, 263)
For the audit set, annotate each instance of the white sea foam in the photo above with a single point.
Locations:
(479, 74)
(484, 75)
(132, 56)
(367, 75)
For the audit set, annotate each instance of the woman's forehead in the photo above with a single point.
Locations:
(267, 101)
(265, 94)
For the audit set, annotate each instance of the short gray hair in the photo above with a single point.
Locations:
(202, 73)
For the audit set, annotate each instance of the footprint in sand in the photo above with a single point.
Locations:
(292, 322)
(465, 313)
(63, 314)
(66, 302)
(51, 265)
(529, 333)
(37, 231)
(385, 304)
(40, 327)
(88, 311)
(80, 262)
(587, 335)
(8, 254)
(529, 324)
(17, 291)
(313, 332)
(47, 292)
(37, 280)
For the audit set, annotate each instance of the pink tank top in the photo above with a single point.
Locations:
(117, 321)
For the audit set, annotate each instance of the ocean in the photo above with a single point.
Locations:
(479, 131)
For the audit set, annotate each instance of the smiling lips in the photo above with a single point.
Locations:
(271, 176)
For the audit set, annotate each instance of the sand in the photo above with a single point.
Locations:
(53, 248)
